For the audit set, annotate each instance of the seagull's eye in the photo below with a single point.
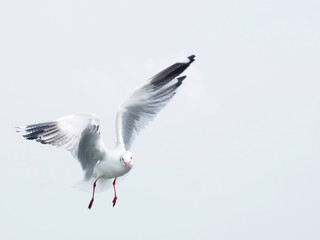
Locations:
(131, 158)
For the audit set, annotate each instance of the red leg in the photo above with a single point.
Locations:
(92, 199)
(115, 192)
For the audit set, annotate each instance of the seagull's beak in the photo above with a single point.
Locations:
(127, 164)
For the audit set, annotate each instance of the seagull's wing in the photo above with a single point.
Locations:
(142, 105)
(78, 133)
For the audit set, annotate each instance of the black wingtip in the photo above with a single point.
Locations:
(20, 129)
(191, 58)
(180, 79)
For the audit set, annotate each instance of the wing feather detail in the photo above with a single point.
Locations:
(78, 133)
(142, 105)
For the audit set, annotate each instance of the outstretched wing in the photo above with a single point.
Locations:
(142, 105)
(78, 133)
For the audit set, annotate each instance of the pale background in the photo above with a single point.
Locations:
(235, 155)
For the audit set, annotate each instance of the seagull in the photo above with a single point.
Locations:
(80, 133)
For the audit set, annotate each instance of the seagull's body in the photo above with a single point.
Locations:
(80, 133)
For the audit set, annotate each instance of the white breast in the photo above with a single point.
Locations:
(109, 169)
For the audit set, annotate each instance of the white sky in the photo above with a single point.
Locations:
(235, 155)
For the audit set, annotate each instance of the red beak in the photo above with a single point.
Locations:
(128, 164)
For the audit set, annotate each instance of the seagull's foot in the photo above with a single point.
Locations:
(115, 192)
(90, 204)
(92, 199)
(114, 200)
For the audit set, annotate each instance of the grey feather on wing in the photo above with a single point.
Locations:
(89, 152)
(78, 133)
(145, 102)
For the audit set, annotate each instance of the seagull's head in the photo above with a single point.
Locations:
(127, 160)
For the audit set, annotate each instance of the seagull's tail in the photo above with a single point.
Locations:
(87, 185)
(102, 184)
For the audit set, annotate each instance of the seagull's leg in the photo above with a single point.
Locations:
(92, 199)
(115, 192)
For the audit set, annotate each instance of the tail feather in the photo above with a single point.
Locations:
(102, 185)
